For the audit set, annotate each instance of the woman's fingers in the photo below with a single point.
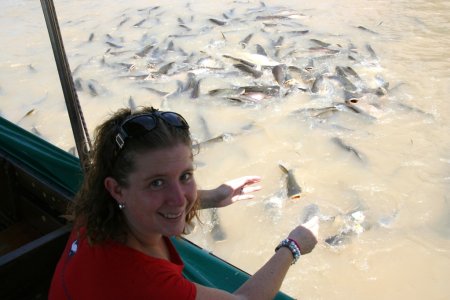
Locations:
(250, 189)
(313, 225)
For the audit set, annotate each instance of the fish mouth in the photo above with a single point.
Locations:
(295, 196)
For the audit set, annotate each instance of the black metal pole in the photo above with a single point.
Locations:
(74, 110)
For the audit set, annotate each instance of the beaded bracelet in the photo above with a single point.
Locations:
(292, 246)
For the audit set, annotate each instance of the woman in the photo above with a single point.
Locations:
(138, 191)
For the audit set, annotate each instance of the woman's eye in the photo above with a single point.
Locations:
(156, 183)
(186, 176)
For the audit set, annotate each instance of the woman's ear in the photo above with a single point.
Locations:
(114, 189)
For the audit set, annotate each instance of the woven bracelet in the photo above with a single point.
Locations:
(292, 246)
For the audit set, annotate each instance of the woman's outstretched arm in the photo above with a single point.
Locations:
(266, 282)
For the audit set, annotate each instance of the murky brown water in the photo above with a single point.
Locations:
(401, 186)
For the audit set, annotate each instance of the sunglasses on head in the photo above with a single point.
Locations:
(139, 125)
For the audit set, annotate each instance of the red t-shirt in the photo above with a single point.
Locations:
(115, 271)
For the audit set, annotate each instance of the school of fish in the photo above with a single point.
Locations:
(250, 55)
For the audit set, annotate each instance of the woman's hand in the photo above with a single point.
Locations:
(306, 235)
(229, 192)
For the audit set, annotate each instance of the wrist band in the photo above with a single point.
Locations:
(292, 246)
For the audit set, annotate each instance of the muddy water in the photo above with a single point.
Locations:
(400, 186)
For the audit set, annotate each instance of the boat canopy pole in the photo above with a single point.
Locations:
(79, 128)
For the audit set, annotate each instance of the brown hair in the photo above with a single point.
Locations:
(94, 208)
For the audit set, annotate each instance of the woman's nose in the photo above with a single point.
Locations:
(177, 195)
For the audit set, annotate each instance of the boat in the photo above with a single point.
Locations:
(37, 182)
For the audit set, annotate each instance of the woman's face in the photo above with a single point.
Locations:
(160, 192)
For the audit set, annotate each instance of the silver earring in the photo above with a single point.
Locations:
(121, 206)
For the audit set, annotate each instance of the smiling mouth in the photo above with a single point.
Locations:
(171, 216)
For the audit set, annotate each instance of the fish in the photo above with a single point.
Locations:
(372, 53)
(346, 84)
(269, 90)
(217, 21)
(210, 63)
(31, 68)
(338, 141)
(245, 41)
(123, 21)
(220, 138)
(312, 210)
(252, 98)
(325, 112)
(122, 66)
(243, 61)
(181, 35)
(388, 220)
(410, 108)
(217, 232)
(270, 17)
(366, 29)
(279, 73)
(113, 42)
(248, 93)
(192, 84)
(248, 69)
(196, 89)
(298, 32)
(136, 76)
(117, 53)
(28, 114)
(226, 92)
(356, 222)
(309, 212)
(350, 71)
(36, 131)
(305, 73)
(320, 43)
(165, 68)
(185, 27)
(78, 82)
(316, 86)
(339, 239)
(140, 23)
(149, 9)
(324, 50)
(73, 150)
(363, 108)
(145, 50)
(92, 88)
(170, 46)
(293, 188)
(95, 88)
(158, 92)
(279, 42)
(254, 94)
(351, 224)
(132, 104)
(260, 50)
